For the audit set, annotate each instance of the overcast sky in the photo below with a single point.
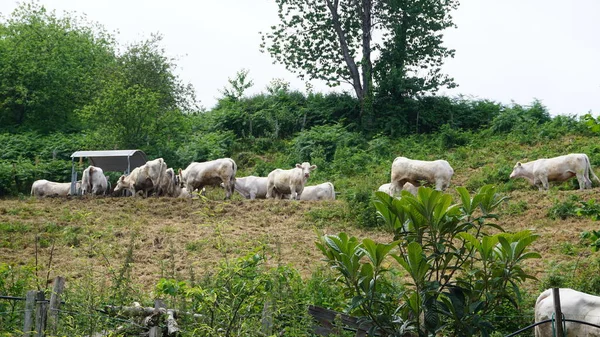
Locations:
(505, 49)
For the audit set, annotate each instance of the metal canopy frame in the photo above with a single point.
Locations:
(109, 160)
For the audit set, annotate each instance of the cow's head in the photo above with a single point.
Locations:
(121, 184)
(518, 171)
(306, 169)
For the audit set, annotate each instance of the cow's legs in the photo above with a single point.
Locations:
(395, 187)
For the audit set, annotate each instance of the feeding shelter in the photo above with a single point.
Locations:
(109, 160)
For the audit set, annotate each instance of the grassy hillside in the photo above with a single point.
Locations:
(107, 246)
(177, 238)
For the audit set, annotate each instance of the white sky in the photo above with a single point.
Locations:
(505, 49)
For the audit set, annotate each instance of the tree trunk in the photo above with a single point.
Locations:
(352, 67)
(367, 66)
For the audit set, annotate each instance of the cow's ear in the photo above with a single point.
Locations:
(179, 171)
(122, 178)
(519, 163)
(298, 166)
(314, 167)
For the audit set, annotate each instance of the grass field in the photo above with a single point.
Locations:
(182, 238)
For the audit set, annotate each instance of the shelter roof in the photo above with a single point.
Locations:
(114, 160)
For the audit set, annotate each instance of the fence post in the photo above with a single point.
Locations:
(29, 308)
(57, 289)
(557, 312)
(40, 314)
(155, 330)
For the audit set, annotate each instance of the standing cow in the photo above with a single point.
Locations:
(93, 181)
(210, 173)
(540, 172)
(282, 182)
(438, 172)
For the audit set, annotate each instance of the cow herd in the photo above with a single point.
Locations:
(155, 177)
(406, 174)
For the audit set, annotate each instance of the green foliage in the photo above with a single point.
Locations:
(237, 85)
(324, 140)
(521, 119)
(206, 146)
(242, 294)
(593, 237)
(411, 43)
(14, 281)
(458, 274)
(451, 138)
(574, 206)
(49, 66)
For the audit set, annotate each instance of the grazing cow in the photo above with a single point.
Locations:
(45, 188)
(574, 305)
(408, 187)
(324, 191)
(210, 173)
(540, 172)
(138, 180)
(252, 187)
(93, 181)
(404, 170)
(282, 182)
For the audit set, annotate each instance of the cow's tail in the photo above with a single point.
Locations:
(163, 168)
(589, 166)
(232, 177)
(108, 186)
(332, 191)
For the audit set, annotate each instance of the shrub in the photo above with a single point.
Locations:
(324, 138)
(206, 146)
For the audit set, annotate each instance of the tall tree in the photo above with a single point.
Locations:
(49, 66)
(142, 100)
(333, 40)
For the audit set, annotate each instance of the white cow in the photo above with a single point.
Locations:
(137, 181)
(282, 182)
(155, 170)
(574, 305)
(252, 187)
(210, 173)
(324, 191)
(167, 183)
(438, 172)
(540, 172)
(46, 188)
(407, 186)
(93, 181)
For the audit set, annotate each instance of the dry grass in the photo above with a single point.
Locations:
(175, 236)
(168, 234)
